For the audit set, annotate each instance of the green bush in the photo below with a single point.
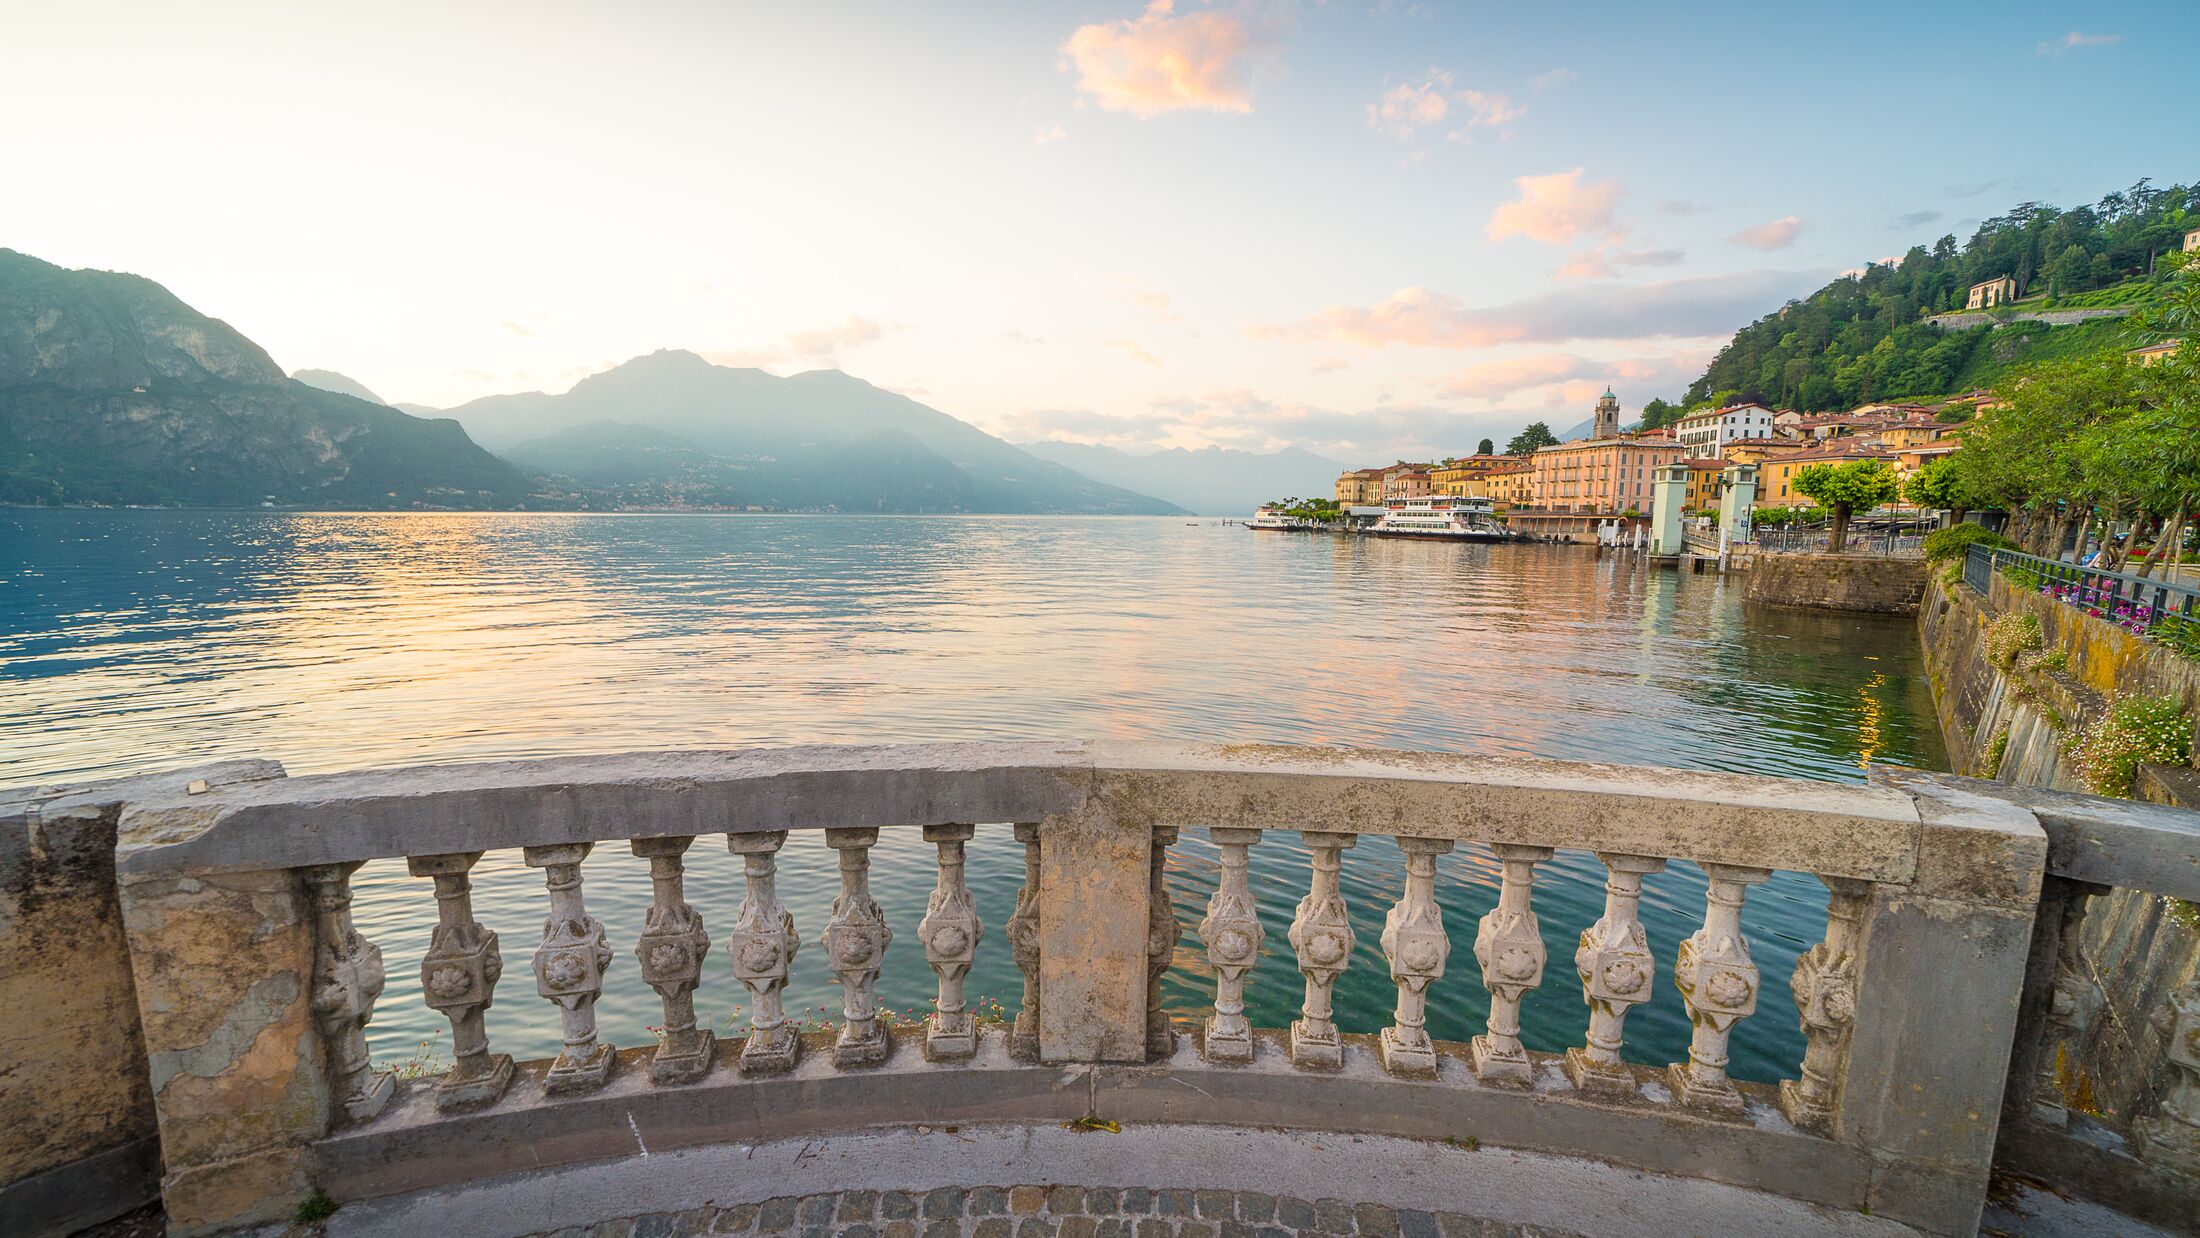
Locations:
(1953, 541)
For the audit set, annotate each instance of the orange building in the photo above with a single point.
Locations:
(1704, 476)
(1578, 484)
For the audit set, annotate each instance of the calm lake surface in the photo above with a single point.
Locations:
(139, 640)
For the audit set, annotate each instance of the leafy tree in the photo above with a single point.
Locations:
(1536, 435)
(1657, 414)
(1939, 485)
(1485, 448)
(1844, 489)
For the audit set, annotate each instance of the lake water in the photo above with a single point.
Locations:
(139, 640)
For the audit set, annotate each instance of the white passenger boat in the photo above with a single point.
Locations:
(1441, 517)
(1279, 519)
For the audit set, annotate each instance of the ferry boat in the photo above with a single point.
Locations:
(1442, 517)
(1281, 520)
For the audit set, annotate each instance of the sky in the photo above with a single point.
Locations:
(1373, 230)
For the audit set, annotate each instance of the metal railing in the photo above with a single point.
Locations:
(2141, 606)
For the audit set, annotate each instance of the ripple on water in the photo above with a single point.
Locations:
(136, 640)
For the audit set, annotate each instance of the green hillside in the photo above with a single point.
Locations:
(1862, 338)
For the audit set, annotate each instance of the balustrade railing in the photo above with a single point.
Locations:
(1906, 1006)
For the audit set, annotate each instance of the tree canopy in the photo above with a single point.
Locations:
(1536, 435)
(1844, 489)
(1485, 448)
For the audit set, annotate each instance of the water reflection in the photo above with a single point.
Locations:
(135, 640)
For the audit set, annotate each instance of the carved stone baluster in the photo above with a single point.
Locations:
(1415, 943)
(671, 952)
(458, 977)
(1023, 946)
(855, 945)
(1719, 982)
(1232, 934)
(950, 931)
(1825, 993)
(1322, 935)
(1616, 968)
(569, 968)
(2071, 1005)
(1509, 946)
(2171, 1138)
(762, 946)
(1162, 934)
(347, 978)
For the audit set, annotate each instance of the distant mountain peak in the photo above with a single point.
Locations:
(330, 380)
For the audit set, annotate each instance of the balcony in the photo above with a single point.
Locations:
(1930, 1004)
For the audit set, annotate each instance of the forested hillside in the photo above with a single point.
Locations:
(1861, 338)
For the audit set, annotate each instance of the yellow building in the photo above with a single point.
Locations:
(1776, 478)
(1990, 293)
(1508, 486)
(1703, 484)
(1757, 451)
(2153, 354)
(1360, 487)
(1459, 475)
(1909, 434)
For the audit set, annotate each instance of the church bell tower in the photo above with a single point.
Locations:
(1607, 425)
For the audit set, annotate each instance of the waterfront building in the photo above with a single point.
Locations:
(1702, 493)
(1461, 476)
(1776, 477)
(1576, 485)
(1707, 433)
(1510, 486)
(1405, 481)
(1989, 293)
(1359, 487)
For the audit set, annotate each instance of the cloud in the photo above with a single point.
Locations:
(1159, 62)
(1978, 187)
(1488, 110)
(1556, 77)
(1915, 219)
(1604, 261)
(1557, 209)
(1048, 136)
(1675, 206)
(1779, 234)
(1568, 378)
(2056, 47)
(1133, 350)
(1411, 105)
(1328, 365)
(1695, 308)
(818, 346)
(1156, 302)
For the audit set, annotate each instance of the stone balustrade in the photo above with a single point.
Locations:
(255, 982)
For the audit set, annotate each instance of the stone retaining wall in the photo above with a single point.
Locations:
(1964, 321)
(1880, 584)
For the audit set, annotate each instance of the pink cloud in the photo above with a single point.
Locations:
(1133, 350)
(1572, 379)
(1159, 62)
(1489, 110)
(1779, 234)
(1412, 105)
(1699, 307)
(1558, 209)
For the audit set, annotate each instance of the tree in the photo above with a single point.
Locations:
(1844, 489)
(1939, 485)
(1525, 442)
(1657, 414)
(1485, 448)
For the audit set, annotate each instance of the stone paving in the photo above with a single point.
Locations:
(1054, 1212)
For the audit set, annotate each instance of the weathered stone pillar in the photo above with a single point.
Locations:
(1616, 967)
(1941, 964)
(223, 964)
(1232, 934)
(673, 946)
(1023, 946)
(950, 931)
(1096, 874)
(1322, 935)
(1509, 948)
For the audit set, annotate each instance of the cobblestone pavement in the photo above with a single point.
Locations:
(1054, 1212)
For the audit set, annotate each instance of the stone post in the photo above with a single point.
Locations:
(1023, 946)
(671, 951)
(1322, 935)
(569, 969)
(950, 932)
(1097, 872)
(1941, 965)
(223, 964)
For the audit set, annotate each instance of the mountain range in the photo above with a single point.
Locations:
(114, 391)
(1212, 481)
(672, 428)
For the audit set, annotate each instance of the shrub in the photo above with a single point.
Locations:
(1995, 752)
(315, 1207)
(1953, 541)
(2134, 731)
(2011, 637)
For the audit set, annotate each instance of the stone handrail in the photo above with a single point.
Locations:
(255, 984)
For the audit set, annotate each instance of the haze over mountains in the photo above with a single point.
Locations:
(1212, 481)
(113, 391)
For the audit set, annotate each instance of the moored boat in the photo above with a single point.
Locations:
(1441, 517)
(1277, 519)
